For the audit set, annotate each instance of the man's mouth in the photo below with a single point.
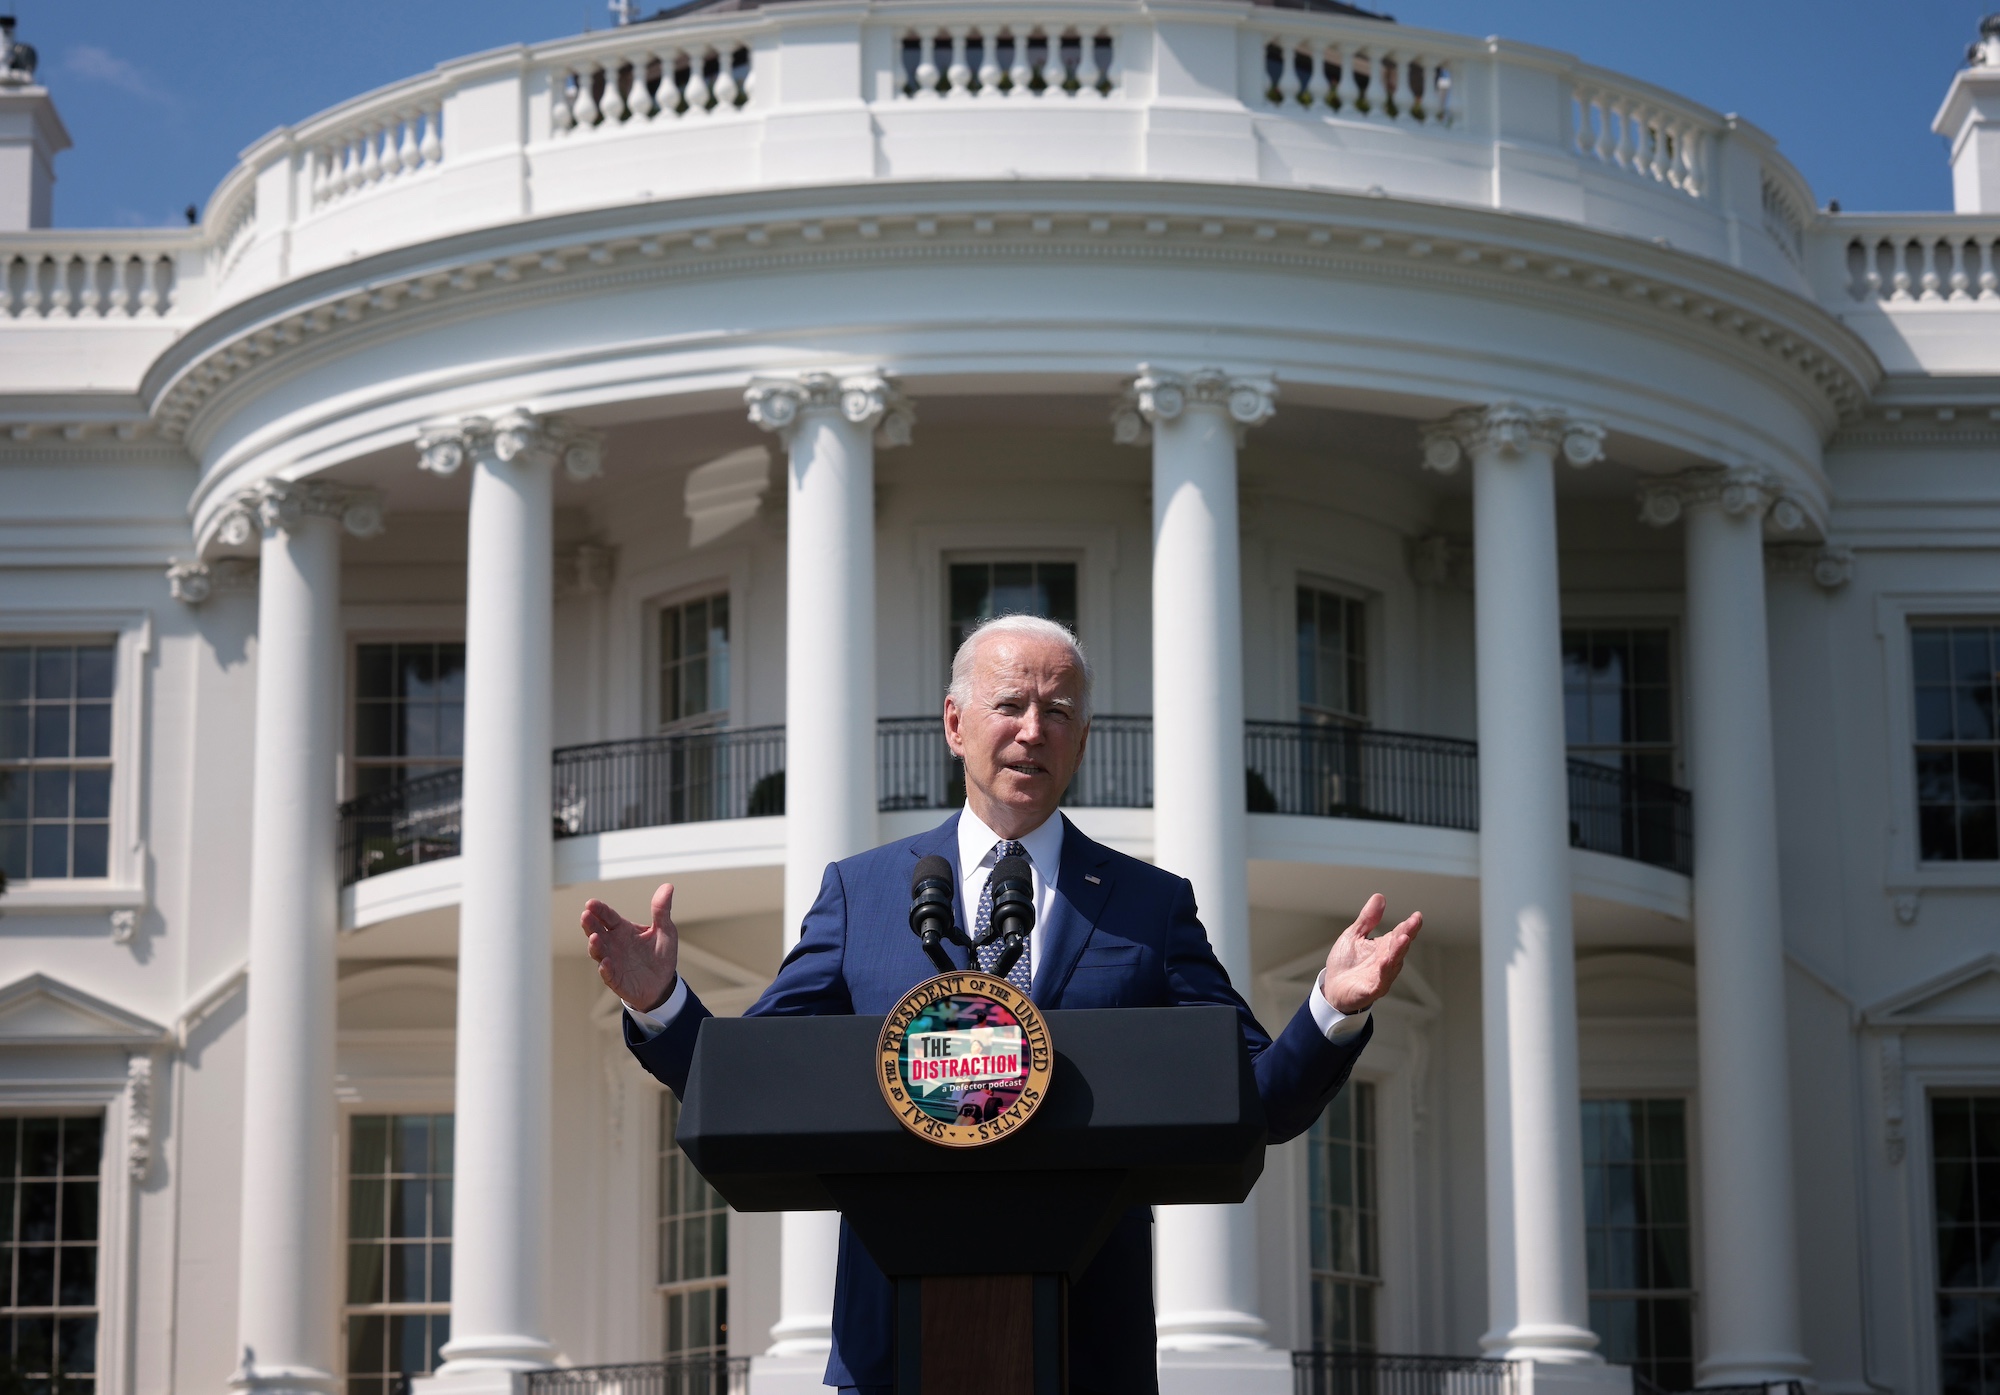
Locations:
(1027, 767)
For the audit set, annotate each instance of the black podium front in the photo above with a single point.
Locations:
(1147, 1106)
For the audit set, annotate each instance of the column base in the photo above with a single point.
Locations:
(789, 1375)
(1752, 1368)
(1572, 1378)
(485, 1380)
(1228, 1371)
(282, 1380)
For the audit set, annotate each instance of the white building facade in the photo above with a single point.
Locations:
(1477, 476)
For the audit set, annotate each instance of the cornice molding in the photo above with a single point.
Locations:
(284, 505)
(1161, 394)
(443, 447)
(1511, 429)
(870, 399)
(564, 265)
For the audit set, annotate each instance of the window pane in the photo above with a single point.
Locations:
(55, 673)
(15, 667)
(1636, 1236)
(92, 850)
(1965, 1191)
(93, 730)
(1332, 645)
(94, 666)
(49, 1192)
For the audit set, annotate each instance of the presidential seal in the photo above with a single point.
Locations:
(964, 1059)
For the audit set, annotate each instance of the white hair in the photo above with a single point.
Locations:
(1026, 627)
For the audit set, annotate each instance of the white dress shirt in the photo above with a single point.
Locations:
(978, 848)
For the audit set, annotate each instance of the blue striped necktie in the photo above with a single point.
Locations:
(1022, 975)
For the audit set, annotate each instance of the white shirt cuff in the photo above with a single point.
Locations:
(651, 1024)
(1334, 1024)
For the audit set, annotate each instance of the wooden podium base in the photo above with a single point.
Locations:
(982, 1334)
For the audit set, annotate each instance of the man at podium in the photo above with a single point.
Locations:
(1109, 931)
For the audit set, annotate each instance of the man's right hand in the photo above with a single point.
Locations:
(640, 963)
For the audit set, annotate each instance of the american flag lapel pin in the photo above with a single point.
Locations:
(1092, 880)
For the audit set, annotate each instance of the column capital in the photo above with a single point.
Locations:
(442, 447)
(284, 505)
(869, 398)
(1511, 428)
(1828, 564)
(1160, 394)
(194, 582)
(1736, 490)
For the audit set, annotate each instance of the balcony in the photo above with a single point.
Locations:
(1323, 772)
(686, 1375)
(1372, 1373)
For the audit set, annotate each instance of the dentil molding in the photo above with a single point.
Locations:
(271, 506)
(1511, 429)
(443, 447)
(868, 399)
(1160, 394)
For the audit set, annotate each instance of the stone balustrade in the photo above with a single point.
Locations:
(68, 276)
(1935, 259)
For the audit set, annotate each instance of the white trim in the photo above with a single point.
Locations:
(1092, 546)
(1895, 611)
(1393, 634)
(127, 885)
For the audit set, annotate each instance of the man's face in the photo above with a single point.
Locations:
(1021, 732)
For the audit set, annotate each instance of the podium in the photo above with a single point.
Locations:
(1146, 1106)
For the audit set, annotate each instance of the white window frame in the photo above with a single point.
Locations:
(123, 891)
(1092, 547)
(632, 698)
(1895, 613)
(1373, 645)
(375, 632)
(1390, 597)
(657, 606)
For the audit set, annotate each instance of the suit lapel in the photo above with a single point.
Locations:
(1073, 911)
(943, 842)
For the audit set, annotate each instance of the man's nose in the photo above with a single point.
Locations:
(1029, 733)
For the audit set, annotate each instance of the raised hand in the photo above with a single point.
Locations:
(640, 963)
(1360, 970)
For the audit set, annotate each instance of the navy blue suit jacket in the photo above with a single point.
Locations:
(1119, 933)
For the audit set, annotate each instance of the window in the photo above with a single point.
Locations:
(1965, 1163)
(694, 1250)
(55, 760)
(1635, 1197)
(1333, 658)
(1345, 1260)
(398, 1311)
(1958, 741)
(1618, 700)
(409, 712)
(694, 662)
(982, 590)
(48, 1273)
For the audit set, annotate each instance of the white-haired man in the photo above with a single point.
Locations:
(1110, 931)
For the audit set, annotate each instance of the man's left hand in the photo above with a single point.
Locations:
(1360, 969)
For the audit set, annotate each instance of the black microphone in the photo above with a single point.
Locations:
(1013, 887)
(932, 896)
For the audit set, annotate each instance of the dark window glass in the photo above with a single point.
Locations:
(694, 1250)
(409, 712)
(1618, 700)
(1344, 1238)
(978, 591)
(398, 1298)
(1965, 1188)
(1957, 741)
(1635, 1192)
(694, 662)
(55, 760)
(49, 1167)
(1332, 657)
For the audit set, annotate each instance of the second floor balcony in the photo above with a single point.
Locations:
(1289, 768)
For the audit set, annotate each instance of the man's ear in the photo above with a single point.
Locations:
(954, 742)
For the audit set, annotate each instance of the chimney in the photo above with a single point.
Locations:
(1970, 120)
(31, 134)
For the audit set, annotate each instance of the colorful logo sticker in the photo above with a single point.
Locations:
(964, 1059)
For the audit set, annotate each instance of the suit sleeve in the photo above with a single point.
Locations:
(1300, 1072)
(810, 983)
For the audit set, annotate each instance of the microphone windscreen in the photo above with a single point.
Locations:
(1013, 869)
(930, 869)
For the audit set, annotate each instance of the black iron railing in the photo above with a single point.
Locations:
(1370, 1373)
(1289, 768)
(682, 1375)
(1642, 1385)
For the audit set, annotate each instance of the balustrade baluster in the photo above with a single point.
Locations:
(1930, 273)
(11, 303)
(641, 100)
(699, 96)
(432, 146)
(1288, 72)
(927, 68)
(1659, 135)
(1959, 279)
(1021, 76)
(1989, 282)
(1607, 130)
(87, 301)
(613, 102)
(1367, 81)
(1395, 92)
(1900, 253)
(991, 74)
(587, 111)
(1318, 89)
(371, 159)
(958, 75)
(59, 300)
(406, 148)
(1088, 73)
(150, 300)
(724, 88)
(562, 108)
(1055, 71)
(1348, 90)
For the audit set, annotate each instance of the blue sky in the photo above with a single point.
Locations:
(161, 97)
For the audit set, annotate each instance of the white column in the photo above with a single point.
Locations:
(831, 427)
(1537, 1299)
(289, 1255)
(1749, 1278)
(1207, 1255)
(502, 1174)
